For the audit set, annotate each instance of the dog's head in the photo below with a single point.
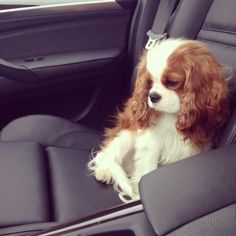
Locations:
(182, 77)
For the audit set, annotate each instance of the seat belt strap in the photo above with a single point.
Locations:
(157, 33)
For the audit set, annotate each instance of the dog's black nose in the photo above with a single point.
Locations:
(154, 97)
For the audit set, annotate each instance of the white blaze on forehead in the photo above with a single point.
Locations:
(157, 56)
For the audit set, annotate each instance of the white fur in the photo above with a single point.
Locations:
(146, 149)
(107, 164)
(157, 56)
(157, 59)
(159, 145)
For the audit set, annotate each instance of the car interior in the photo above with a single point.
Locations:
(65, 69)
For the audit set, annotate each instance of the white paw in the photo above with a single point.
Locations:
(135, 197)
(100, 169)
(103, 175)
(135, 187)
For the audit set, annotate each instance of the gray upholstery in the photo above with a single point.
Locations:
(52, 131)
(75, 192)
(23, 178)
(48, 185)
(218, 223)
(185, 21)
(189, 189)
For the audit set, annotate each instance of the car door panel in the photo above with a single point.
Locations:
(58, 65)
(62, 34)
(62, 49)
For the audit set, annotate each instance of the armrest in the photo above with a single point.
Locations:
(189, 189)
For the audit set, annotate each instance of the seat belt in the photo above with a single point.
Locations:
(165, 9)
(157, 33)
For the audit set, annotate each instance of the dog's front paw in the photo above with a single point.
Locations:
(103, 175)
(100, 169)
(135, 186)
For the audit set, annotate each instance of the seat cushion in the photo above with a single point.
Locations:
(24, 198)
(52, 131)
(76, 193)
(42, 185)
(65, 148)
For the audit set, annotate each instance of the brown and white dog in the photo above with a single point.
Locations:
(178, 108)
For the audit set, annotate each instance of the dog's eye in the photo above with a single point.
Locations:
(149, 82)
(171, 83)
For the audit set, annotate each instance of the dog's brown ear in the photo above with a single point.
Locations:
(204, 105)
(136, 113)
(137, 106)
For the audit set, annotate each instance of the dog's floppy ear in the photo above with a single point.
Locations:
(137, 106)
(136, 113)
(204, 106)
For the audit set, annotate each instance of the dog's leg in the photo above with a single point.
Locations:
(107, 165)
(146, 160)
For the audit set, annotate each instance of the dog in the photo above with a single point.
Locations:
(178, 109)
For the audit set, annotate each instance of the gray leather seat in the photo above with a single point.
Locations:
(52, 131)
(40, 185)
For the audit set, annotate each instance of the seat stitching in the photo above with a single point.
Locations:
(67, 134)
(66, 147)
(218, 30)
(217, 43)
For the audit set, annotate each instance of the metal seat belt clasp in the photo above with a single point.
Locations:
(153, 38)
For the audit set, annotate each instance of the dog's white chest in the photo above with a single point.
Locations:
(165, 141)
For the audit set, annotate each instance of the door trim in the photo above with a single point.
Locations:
(76, 6)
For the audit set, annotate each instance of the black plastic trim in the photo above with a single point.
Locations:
(16, 72)
(69, 7)
(101, 217)
(127, 4)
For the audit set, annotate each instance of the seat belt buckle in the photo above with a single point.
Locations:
(154, 38)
